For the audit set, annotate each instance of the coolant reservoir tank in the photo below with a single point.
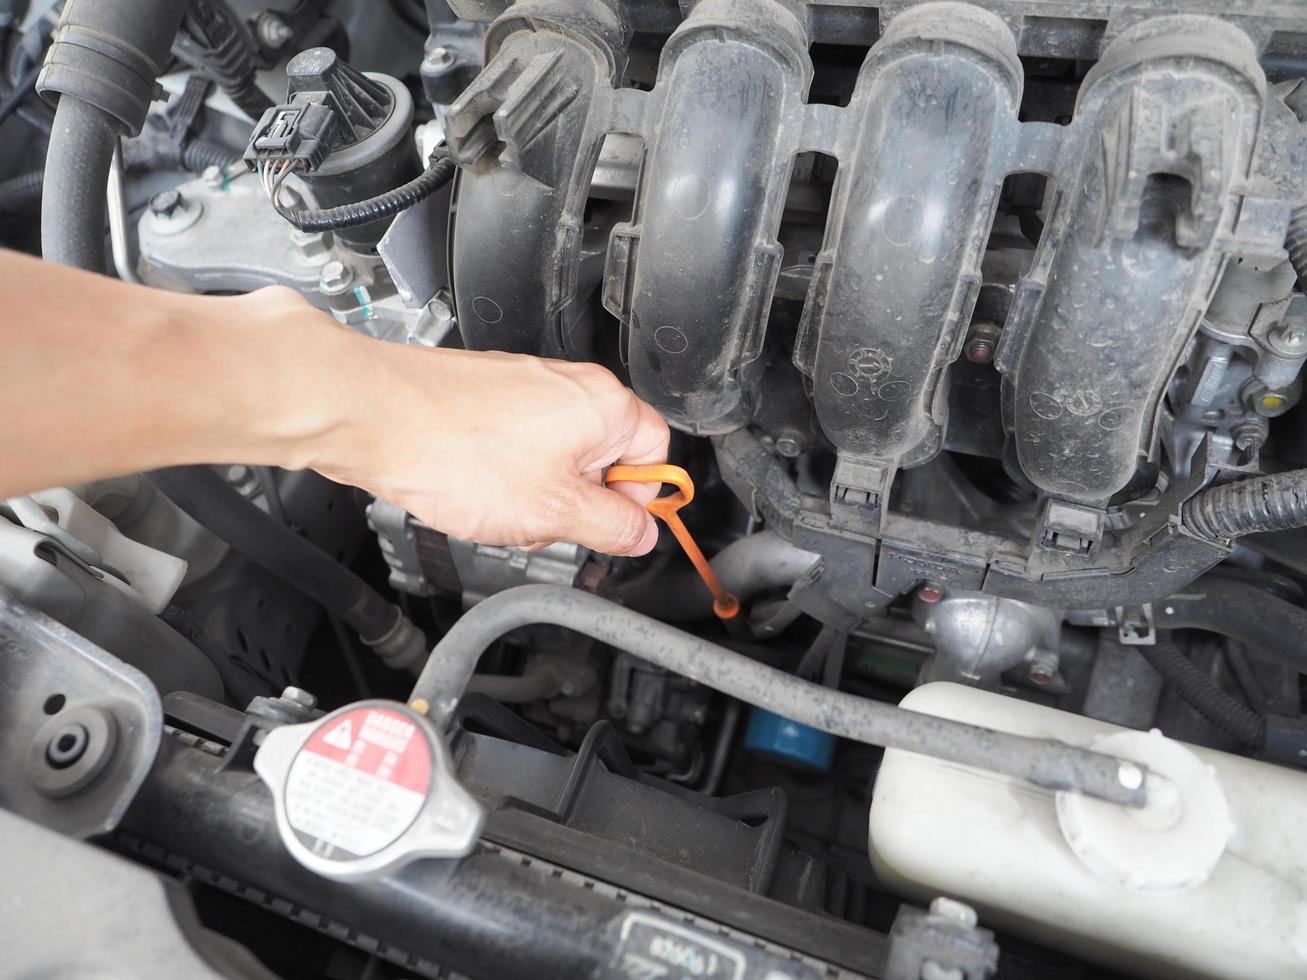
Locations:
(1209, 879)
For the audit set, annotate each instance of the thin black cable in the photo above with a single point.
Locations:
(439, 172)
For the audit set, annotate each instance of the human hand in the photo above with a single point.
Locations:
(498, 448)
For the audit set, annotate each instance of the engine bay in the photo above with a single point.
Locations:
(980, 328)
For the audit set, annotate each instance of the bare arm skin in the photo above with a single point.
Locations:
(99, 378)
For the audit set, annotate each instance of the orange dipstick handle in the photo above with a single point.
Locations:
(724, 604)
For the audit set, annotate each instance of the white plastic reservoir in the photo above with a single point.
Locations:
(1210, 879)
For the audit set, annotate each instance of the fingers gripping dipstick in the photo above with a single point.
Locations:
(724, 604)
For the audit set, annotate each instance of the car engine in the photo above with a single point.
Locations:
(980, 327)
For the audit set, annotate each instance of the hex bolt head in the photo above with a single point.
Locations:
(983, 343)
(788, 443)
(955, 911)
(297, 695)
(165, 203)
(335, 277)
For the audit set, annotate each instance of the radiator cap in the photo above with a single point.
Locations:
(366, 789)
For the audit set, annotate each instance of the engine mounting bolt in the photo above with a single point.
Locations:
(297, 695)
(335, 277)
(955, 911)
(930, 594)
(163, 204)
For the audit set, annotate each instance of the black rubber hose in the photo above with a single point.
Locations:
(73, 209)
(200, 154)
(1203, 694)
(21, 194)
(439, 173)
(1295, 244)
(1261, 503)
(217, 506)
(1249, 613)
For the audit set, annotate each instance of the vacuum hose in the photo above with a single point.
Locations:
(1262, 503)
(217, 506)
(1044, 762)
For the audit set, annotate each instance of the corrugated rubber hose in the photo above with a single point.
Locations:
(1203, 694)
(1261, 503)
(1296, 244)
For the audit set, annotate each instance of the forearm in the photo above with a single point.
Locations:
(101, 378)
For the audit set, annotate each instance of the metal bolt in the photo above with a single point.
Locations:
(335, 277)
(982, 344)
(980, 350)
(1291, 336)
(213, 177)
(951, 908)
(273, 32)
(1250, 436)
(439, 59)
(1043, 667)
(930, 593)
(788, 443)
(303, 698)
(163, 204)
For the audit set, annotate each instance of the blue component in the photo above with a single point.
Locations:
(788, 741)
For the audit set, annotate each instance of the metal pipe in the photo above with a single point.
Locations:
(1044, 762)
(119, 240)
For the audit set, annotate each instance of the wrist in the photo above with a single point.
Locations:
(267, 378)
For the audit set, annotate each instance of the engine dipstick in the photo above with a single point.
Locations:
(724, 605)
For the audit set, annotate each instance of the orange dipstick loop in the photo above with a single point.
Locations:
(724, 604)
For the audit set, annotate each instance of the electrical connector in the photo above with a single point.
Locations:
(298, 132)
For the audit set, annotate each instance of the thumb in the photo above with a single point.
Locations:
(613, 523)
